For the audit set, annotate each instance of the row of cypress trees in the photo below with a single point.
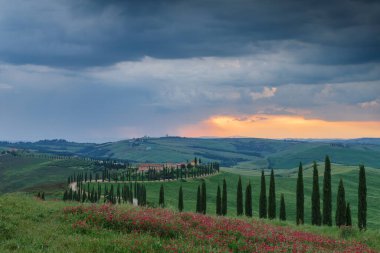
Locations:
(118, 194)
(267, 206)
(201, 204)
(343, 210)
(121, 172)
(221, 200)
(266, 209)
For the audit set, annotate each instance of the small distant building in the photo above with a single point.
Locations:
(147, 166)
(157, 166)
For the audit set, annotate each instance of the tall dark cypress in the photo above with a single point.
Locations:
(161, 201)
(300, 197)
(65, 194)
(340, 214)
(199, 201)
(180, 199)
(144, 195)
(272, 198)
(224, 198)
(316, 218)
(239, 198)
(327, 206)
(282, 208)
(263, 198)
(204, 198)
(362, 199)
(348, 215)
(218, 202)
(248, 200)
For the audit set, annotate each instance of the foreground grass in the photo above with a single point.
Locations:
(31, 225)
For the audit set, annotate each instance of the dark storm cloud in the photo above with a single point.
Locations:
(94, 33)
(105, 70)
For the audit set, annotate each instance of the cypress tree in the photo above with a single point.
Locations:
(143, 195)
(263, 198)
(118, 194)
(248, 200)
(362, 199)
(239, 198)
(224, 198)
(84, 196)
(92, 195)
(326, 216)
(75, 195)
(180, 199)
(199, 201)
(348, 215)
(340, 214)
(65, 196)
(204, 198)
(161, 201)
(282, 208)
(218, 202)
(111, 194)
(315, 199)
(272, 198)
(300, 197)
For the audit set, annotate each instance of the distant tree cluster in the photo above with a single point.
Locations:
(114, 194)
(111, 171)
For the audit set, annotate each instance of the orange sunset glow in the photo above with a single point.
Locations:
(280, 126)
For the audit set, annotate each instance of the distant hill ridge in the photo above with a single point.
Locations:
(251, 152)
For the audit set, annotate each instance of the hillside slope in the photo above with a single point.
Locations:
(31, 225)
(257, 153)
(21, 172)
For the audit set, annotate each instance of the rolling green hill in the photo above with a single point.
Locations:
(245, 152)
(22, 172)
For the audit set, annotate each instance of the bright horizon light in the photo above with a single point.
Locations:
(281, 127)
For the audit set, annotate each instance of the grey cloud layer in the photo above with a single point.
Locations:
(155, 96)
(103, 70)
(93, 33)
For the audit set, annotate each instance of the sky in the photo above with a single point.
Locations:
(97, 71)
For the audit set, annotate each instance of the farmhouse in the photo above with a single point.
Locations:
(157, 166)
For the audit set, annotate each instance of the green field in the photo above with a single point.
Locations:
(285, 183)
(31, 225)
(33, 174)
(41, 173)
(245, 152)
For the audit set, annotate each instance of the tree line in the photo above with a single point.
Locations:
(267, 205)
(121, 173)
(132, 193)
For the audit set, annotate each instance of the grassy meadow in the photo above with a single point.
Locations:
(285, 183)
(31, 225)
(37, 173)
(28, 224)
